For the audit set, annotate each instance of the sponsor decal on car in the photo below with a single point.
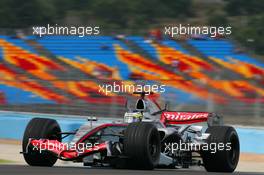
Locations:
(184, 117)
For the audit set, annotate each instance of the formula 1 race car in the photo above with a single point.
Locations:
(148, 137)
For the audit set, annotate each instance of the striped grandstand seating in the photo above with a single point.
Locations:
(1, 53)
(87, 91)
(168, 51)
(12, 79)
(144, 44)
(29, 62)
(185, 62)
(40, 67)
(246, 69)
(151, 71)
(222, 49)
(141, 42)
(97, 48)
(14, 95)
(106, 58)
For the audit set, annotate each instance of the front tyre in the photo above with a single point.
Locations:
(142, 145)
(40, 128)
(222, 160)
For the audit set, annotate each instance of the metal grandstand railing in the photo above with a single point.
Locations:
(234, 112)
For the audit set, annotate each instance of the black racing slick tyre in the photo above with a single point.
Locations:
(142, 145)
(222, 160)
(40, 128)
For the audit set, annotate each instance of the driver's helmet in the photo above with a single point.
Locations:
(131, 117)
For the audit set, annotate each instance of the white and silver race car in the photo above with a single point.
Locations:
(148, 137)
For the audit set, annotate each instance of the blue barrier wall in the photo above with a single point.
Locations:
(12, 126)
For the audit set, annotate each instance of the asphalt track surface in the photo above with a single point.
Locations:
(27, 170)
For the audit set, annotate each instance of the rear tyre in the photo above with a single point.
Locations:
(40, 128)
(142, 145)
(222, 160)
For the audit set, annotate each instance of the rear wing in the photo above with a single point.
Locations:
(173, 117)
